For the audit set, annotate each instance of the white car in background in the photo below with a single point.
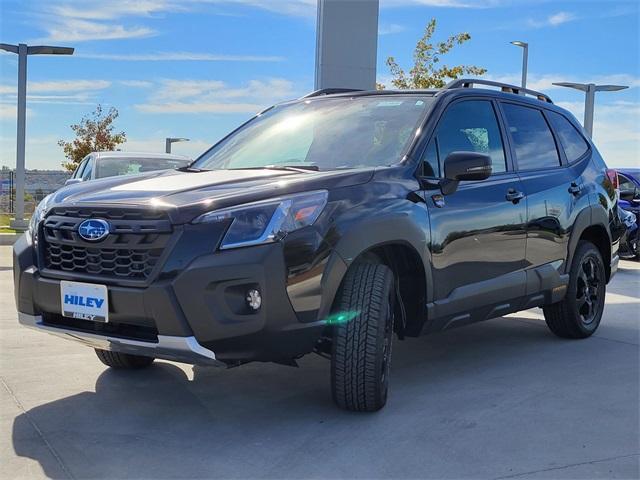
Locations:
(111, 164)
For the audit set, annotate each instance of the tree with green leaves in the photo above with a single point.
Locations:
(94, 133)
(427, 71)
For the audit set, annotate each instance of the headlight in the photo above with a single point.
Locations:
(268, 220)
(36, 218)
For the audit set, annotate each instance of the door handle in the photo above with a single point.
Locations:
(514, 195)
(574, 189)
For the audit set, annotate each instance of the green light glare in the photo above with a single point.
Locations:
(342, 317)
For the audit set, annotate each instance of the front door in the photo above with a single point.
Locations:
(478, 233)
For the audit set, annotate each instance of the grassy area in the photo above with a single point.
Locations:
(5, 220)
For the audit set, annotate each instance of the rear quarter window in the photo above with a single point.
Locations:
(531, 137)
(573, 143)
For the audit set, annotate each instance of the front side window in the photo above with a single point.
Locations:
(80, 169)
(574, 145)
(470, 126)
(88, 169)
(624, 183)
(431, 165)
(532, 139)
(324, 133)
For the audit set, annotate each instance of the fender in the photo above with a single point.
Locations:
(593, 215)
(403, 223)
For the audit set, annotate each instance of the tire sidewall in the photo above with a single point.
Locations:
(586, 251)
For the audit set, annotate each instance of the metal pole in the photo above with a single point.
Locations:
(167, 145)
(525, 60)
(589, 107)
(19, 222)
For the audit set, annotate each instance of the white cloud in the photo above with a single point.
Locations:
(544, 82)
(560, 18)
(68, 92)
(109, 10)
(9, 112)
(77, 30)
(214, 96)
(200, 107)
(179, 57)
(299, 8)
(59, 86)
(553, 20)
(442, 3)
(68, 86)
(136, 83)
(391, 29)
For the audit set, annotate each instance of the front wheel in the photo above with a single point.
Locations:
(579, 313)
(362, 338)
(123, 360)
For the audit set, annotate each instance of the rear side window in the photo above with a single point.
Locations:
(532, 139)
(572, 142)
(470, 126)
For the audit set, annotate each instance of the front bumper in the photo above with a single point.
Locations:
(178, 349)
(192, 309)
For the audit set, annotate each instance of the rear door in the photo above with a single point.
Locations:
(552, 180)
(478, 234)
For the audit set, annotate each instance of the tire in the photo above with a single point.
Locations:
(123, 360)
(361, 347)
(579, 313)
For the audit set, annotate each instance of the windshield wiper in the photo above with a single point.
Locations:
(192, 169)
(289, 168)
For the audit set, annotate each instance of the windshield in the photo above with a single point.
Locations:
(111, 167)
(324, 133)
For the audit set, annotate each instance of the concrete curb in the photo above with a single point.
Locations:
(9, 238)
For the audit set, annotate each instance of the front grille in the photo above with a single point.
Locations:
(118, 262)
(132, 250)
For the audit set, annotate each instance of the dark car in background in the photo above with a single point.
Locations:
(329, 224)
(111, 164)
(629, 187)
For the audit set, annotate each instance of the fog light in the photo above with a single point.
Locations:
(254, 299)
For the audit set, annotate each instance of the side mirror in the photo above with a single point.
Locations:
(470, 166)
(72, 181)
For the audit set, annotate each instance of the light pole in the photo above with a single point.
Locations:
(590, 90)
(525, 59)
(169, 140)
(23, 51)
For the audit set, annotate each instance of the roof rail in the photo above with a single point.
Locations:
(330, 91)
(505, 87)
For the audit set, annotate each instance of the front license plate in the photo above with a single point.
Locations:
(85, 301)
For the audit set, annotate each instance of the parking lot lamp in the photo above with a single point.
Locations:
(590, 90)
(525, 59)
(169, 140)
(22, 50)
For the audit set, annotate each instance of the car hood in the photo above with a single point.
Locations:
(187, 194)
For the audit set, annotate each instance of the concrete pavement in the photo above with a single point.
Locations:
(501, 399)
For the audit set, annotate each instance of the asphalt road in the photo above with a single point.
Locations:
(501, 399)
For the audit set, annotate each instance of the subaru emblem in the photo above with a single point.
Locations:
(93, 230)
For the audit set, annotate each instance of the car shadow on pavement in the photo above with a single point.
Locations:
(253, 420)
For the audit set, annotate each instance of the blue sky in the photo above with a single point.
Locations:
(197, 68)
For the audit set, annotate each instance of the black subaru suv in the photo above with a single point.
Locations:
(327, 224)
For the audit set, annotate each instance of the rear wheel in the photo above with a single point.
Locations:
(123, 360)
(362, 338)
(579, 313)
